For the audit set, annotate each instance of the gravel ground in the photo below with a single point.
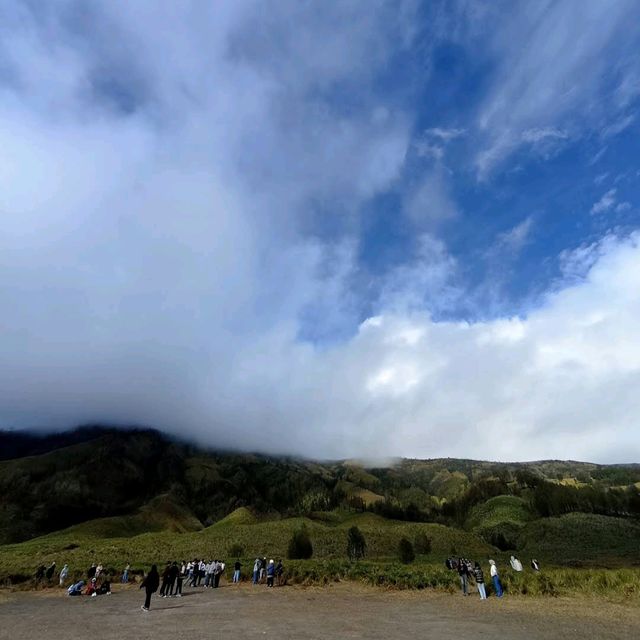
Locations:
(338, 611)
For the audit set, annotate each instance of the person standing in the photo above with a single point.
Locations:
(50, 571)
(479, 576)
(236, 571)
(165, 581)
(201, 572)
(193, 573)
(256, 571)
(463, 573)
(63, 574)
(208, 571)
(263, 568)
(125, 574)
(271, 573)
(180, 579)
(279, 573)
(150, 584)
(219, 570)
(495, 576)
(173, 576)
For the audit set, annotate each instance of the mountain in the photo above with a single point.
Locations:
(136, 480)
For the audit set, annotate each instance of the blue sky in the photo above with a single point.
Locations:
(333, 229)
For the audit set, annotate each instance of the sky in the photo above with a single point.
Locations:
(329, 229)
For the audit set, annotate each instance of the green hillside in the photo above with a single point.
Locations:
(136, 496)
(78, 547)
(578, 539)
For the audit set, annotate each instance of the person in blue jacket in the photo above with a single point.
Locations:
(271, 573)
(76, 589)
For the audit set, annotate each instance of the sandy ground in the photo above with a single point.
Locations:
(338, 611)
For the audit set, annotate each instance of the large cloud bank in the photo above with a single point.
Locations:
(167, 179)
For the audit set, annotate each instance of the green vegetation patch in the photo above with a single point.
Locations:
(581, 539)
(497, 511)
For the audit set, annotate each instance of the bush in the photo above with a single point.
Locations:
(235, 550)
(300, 547)
(405, 551)
(356, 544)
(422, 544)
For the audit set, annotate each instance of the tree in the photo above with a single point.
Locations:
(356, 544)
(422, 544)
(405, 551)
(300, 547)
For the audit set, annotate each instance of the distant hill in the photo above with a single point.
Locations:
(106, 483)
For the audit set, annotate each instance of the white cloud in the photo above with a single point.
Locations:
(162, 182)
(561, 380)
(552, 65)
(445, 134)
(618, 126)
(431, 202)
(622, 207)
(432, 144)
(600, 178)
(515, 238)
(605, 203)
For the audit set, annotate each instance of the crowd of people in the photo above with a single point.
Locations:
(207, 574)
(271, 570)
(195, 573)
(469, 570)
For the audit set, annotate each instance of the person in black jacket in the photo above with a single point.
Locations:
(173, 575)
(479, 576)
(166, 576)
(150, 583)
(464, 576)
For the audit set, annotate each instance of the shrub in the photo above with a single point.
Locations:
(405, 551)
(235, 550)
(300, 547)
(356, 544)
(422, 544)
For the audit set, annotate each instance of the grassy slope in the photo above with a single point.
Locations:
(160, 514)
(497, 511)
(578, 539)
(259, 538)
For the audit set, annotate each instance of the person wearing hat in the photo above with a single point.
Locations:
(271, 573)
(63, 574)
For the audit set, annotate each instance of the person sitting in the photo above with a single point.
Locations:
(105, 588)
(91, 588)
(76, 589)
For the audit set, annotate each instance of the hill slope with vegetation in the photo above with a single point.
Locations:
(96, 489)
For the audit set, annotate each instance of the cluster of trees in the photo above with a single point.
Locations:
(549, 499)
(301, 548)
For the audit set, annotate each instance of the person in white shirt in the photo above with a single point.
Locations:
(495, 576)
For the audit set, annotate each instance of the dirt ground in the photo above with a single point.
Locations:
(338, 611)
